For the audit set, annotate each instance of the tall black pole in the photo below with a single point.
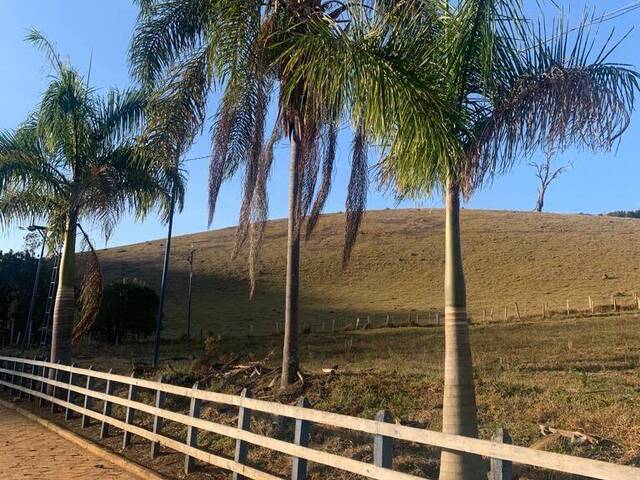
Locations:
(190, 259)
(26, 339)
(165, 271)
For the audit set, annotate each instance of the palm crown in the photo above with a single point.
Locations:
(77, 158)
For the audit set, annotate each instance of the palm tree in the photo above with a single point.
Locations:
(76, 158)
(514, 89)
(257, 48)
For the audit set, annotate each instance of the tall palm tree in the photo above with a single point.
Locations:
(256, 49)
(514, 88)
(74, 159)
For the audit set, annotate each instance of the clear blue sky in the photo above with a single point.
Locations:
(102, 29)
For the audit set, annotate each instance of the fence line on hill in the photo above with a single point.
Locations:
(73, 389)
(511, 312)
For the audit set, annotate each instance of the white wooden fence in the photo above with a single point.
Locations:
(40, 379)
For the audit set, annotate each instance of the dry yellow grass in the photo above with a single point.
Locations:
(397, 269)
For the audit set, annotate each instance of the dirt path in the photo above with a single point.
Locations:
(30, 451)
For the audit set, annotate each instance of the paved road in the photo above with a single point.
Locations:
(30, 451)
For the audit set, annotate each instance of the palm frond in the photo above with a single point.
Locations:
(554, 93)
(164, 32)
(357, 193)
(260, 205)
(90, 293)
(121, 114)
(43, 43)
(330, 140)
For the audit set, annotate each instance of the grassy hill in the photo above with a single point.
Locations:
(396, 269)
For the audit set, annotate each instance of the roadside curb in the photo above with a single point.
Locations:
(87, 444)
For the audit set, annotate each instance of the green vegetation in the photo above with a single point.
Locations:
(328, 63)
(128, 308)
(17, 274)
(511, 90)
(625, 213)
(75, 159)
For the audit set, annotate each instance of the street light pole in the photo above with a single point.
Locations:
(26, 338)
(165, 271)
(190, 260)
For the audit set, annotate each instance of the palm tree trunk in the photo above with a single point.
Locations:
(290, 360)
(64, 310)
(459, 412)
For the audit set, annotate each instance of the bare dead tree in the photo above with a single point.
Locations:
(546, 174)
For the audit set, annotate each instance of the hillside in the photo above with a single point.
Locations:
(396, 269)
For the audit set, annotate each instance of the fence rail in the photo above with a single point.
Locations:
(41, 379)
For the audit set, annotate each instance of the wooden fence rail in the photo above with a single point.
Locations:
(61, 386)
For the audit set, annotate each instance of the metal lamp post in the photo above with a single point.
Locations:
(165, 271)
(190, 260)
(26, 338)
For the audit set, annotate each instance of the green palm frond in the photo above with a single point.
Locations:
(78, 151)
(121, 114)
(553, 92)
(165, 30)
(42, 42)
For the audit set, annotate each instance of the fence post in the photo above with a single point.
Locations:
(301, 437)
(106, 407)
(506, 314)
(568, 309)
(244, 423)
(130, 413)
(88, 401)
(192, 432)
(4, 376)
(32, 382)
(43, 382)
(383, 446)
(54, 390)
(70, 396)
(517, 311)
(12, 390)
(21, 381)
(591, 304)
(501, 469)
(157, 420)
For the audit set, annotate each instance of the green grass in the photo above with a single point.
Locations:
(396, 270)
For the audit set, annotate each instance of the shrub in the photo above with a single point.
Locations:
(625, 214)
(129, 308)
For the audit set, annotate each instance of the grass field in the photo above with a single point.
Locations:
(396, 270)
(575, 374)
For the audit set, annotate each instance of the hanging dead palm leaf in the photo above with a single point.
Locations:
(90, 293)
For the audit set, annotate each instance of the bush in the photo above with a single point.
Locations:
(625, 214)
(17, 274)
(129, 308)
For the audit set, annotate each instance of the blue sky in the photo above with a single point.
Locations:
(83, 29)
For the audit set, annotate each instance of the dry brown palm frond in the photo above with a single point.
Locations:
(310, 165)
(90, 293)
(260, 204)
(357, 195)
(329, 155)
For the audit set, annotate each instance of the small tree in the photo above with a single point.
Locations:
(128, 308)
(546, 174)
